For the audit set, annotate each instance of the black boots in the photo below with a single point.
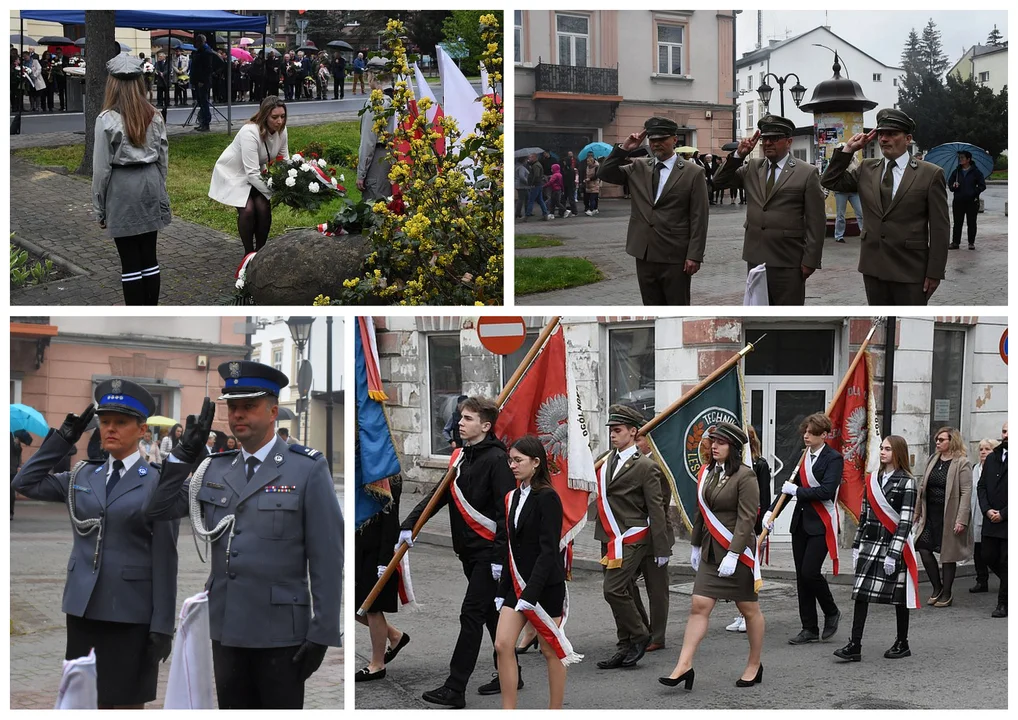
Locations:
(851, 652)
(898, 650)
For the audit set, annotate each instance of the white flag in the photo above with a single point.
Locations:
(459, 99)
(78, 689)
(424, 91)
(190, 686)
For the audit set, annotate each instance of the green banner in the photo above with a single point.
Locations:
(676, 440)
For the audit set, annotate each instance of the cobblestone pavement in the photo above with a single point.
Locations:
(973, 277)
(53, 212)
(40, 545)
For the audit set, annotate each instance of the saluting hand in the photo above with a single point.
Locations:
(196, 434)
(75, 425)
(747, 145)
(859, 141)
(634, 141)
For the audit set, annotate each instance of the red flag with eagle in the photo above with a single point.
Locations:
(545, 403)
(855, 436)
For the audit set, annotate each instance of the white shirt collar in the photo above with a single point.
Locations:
(669, 163)
(900, 162)
(262, 452)
(780, 163)
(624, 455)
(128, 461)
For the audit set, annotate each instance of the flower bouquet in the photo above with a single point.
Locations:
(242, 295)
(302, 183)
(149, 70)
(355, 217)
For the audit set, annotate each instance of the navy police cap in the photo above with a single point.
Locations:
(247, 379)
(125, 397)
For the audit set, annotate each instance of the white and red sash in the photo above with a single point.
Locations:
(826, 509)
(539, 618)
(405, 586)
(480, 524)
(723, 535)
(616, 538)
(890, 518)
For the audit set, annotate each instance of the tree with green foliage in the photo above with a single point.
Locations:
(423, 27)
(934, 60)
(994, 38)
(324, 26)
(462, 27)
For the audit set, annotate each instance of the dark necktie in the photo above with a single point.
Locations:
(657, 179)
(118, 468)
(252, 465)
(613, 462)
(771, 177)
(887, 186)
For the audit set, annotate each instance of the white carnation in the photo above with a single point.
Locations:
(292, 172)
(290, 182)
(269, 183)
(305, 168)
(322, 163)
(296, 157)
(333, 181)
(343, 178)
(314, 187)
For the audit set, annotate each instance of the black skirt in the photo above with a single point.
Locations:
(372, 536)
(125, 675)
(553, 598)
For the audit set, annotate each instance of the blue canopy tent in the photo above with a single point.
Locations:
(211, 20)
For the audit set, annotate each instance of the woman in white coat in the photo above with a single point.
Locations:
(237, 177)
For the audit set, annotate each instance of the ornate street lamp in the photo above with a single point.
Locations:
(300, 331)
(766, 90)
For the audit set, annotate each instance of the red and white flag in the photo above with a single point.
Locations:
(459, 99)
(855, 436)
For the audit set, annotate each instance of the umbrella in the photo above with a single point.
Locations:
(174, 42)
(598, 149)
(245, 41)
(271, 51)
(946, 156)
(241, 54)
(523, 152)
(161, 421)
(378, 62)
(28, 418)
(55, 40)
(685, 150)
(23, 40)
(188, 46)
(221, 39)
(341, 44)
(730, 146)
(286, 414)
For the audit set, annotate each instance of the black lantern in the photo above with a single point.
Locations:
(764, 91)
(300, 331)
(797, 90)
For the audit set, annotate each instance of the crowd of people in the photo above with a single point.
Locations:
(505, 522)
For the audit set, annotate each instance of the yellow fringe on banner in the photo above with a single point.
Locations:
(377, 395)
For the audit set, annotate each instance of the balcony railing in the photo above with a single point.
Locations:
(581, 80)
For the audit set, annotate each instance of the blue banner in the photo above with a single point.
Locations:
(375, 458)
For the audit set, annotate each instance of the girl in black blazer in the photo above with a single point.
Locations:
(533, 526)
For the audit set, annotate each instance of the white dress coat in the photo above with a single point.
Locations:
(239, 168)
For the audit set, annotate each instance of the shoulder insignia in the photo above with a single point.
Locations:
(680, 165)
(99, 468)
(301, 450)
(791, 163)
(143, 471)
(914, 163)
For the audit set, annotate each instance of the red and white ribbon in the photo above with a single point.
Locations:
(539, 618)
(890, 518)
(723, 535)
(405, 588)
(826, 509)
(616, 538)
(480, 524)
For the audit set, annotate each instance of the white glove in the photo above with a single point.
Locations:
(522, 605)
(499, 602)
(381, 570)
(694, 558)
(768, 521)
(405, 536)
(496, 572)
(855, 557)
(661, 561)
(890, 565)
(789, 488)
(728, 565)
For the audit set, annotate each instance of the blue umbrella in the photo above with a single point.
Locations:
(28, 418)
(946, 156)
(599, 149)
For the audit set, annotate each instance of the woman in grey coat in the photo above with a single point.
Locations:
(129, 165)
(886, 568)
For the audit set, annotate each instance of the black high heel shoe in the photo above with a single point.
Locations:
(521, 650)
(750, 683)
(687, 677)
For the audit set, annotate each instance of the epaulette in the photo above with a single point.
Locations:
(306, 451)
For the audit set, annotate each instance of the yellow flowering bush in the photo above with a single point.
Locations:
(439, 239)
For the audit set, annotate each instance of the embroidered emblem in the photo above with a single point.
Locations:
(235, 369)
(280, 488)
(278, 459)
(914, 163)
(791, 163)
(680, 165)
(143, 471)
(116, 385)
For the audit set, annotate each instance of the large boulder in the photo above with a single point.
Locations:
(297, 267)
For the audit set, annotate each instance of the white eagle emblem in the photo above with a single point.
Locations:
(855, 437)
(235, 369)
(115, 386)
(553, 426)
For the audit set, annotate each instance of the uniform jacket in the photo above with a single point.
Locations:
(787, 227)
(992, 492)
(672, 230)
(485, 479)
(666, 501)
(535, 544)
(827, 469)
(259, 598)
(875, 543)
(112, 147)
(239, 168)
(734, 500)
(908, 243)
(135, 580)
(957, 509)
(634, 495)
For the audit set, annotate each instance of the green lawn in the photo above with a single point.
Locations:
(535, 275)
(998, 175)
(192, 158)
(527, 242)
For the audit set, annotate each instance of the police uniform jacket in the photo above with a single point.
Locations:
(634, 495)
(785, 228)
(827, 469)
(908, 243)
(673, 229)
(734, 501)
(289, 527)
(874, 542)
(135, 578)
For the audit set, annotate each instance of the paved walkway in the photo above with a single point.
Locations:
(51, 215)
(973, 277)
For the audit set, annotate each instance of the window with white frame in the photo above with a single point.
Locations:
(277, 355)
(749, 83)
(631, 368)
(573, 32)
(518, 43)
(749, 115)
(984, 76)
(445, 385)
(876, 77)
(669, 49)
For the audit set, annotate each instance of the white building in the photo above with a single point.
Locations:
(986, 64)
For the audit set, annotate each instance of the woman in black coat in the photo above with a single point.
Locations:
(535, 563)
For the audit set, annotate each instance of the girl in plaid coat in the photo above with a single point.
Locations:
(885, 562)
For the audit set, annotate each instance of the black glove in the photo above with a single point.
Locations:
(159, 646)
(74, 425)
(196, 434)
(311, 654)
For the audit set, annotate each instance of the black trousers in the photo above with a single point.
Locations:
(785, 285)
(808, 552)
(982, 569)
(994, 552)
(257, 678)
(965, 211)
(663, 283)
(884, 292)
(337, 86)
(859, 620)
(477, 613)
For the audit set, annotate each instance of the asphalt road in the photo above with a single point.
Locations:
(959, 655)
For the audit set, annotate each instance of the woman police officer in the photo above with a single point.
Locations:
(120, 593)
